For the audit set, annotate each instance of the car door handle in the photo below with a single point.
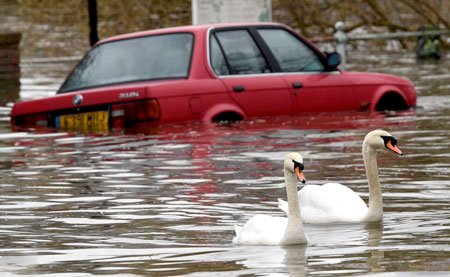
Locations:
(238, 88)
(297, 85)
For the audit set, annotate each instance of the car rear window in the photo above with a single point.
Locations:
(137, 59)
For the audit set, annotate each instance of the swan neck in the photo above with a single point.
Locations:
(294, 233)
(294, 214)
(375, 199)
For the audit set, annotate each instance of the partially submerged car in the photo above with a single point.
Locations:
(214, 72)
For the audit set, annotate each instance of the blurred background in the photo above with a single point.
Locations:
(54, 28)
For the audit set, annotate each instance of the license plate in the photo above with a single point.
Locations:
(83, 122)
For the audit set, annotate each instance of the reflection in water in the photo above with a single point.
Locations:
(375, 231)
(168, 202)
(272, 259)
(164, 201)
(295, 260)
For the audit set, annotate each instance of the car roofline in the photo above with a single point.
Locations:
(187, 28)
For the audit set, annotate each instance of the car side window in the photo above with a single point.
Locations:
(241, 52)
(290, 52)
(218, 63)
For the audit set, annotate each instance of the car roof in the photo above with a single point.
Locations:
(188, 28)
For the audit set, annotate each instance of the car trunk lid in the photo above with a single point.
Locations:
(102, 107)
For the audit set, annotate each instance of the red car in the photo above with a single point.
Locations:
(215, 72)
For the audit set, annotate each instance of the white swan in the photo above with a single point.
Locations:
(268, 230)
(334, 202)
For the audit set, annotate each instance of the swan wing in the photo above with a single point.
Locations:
(283, 205)
(331, 202)
(237, 230)
(262, 230)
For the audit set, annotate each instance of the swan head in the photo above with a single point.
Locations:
(380, 139)
(294, 164)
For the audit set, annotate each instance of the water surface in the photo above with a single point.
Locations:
(165, 201)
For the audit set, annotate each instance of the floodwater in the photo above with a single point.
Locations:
(165, 202)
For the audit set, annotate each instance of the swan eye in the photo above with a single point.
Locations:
(389, 138)
(299, 165)
(393, 141)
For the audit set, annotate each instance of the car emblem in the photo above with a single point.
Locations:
(131, 94)
(77, 99)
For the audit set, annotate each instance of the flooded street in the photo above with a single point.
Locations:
(164, 202)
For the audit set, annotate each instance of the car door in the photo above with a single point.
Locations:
(241, 66)
(313, 88)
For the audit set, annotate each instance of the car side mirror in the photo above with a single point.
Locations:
(332, 60)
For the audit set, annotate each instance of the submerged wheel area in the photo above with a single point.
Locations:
(391, 101)
(227, 117)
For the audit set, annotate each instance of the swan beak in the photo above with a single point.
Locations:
(393, 148)
(300, 175)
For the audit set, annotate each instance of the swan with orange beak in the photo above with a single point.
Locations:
(333, 202)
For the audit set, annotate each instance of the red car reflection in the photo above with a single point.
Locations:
(220, 72)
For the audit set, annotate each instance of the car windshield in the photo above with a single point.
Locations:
(137, 59)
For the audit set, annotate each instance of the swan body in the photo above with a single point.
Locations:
(319, 206)
(269, 230)
(333, 202)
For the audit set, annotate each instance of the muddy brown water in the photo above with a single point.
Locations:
(165, 202)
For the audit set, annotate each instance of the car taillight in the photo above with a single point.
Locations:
(32, 120)
(146, 110)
